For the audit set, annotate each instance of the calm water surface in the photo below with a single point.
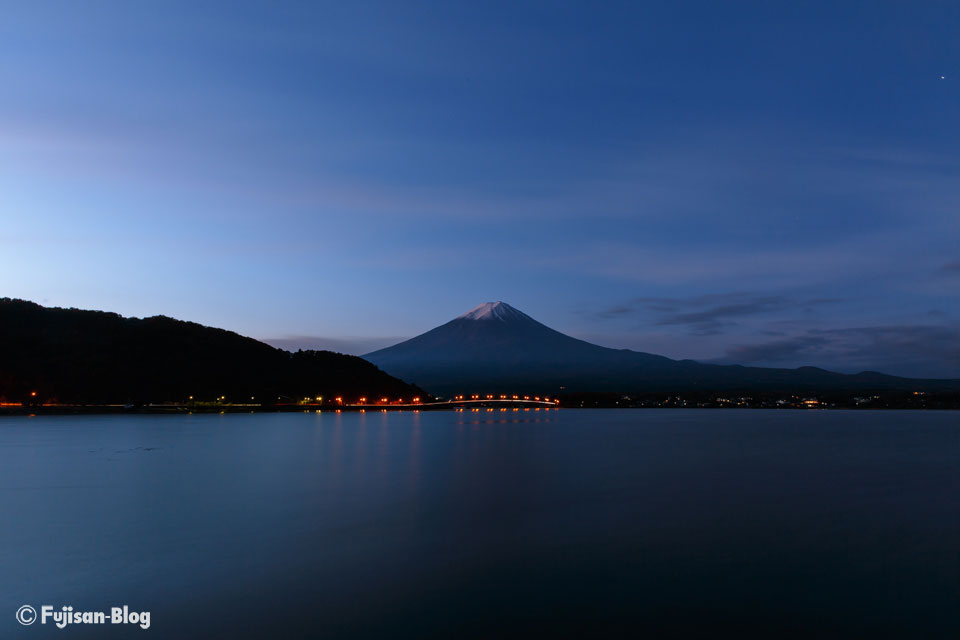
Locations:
(562, 523)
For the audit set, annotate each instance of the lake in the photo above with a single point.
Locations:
(486, 524)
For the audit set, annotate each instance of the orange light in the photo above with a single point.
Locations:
(362, 400)
(339, 400)
(33, 394)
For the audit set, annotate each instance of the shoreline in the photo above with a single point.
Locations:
(176, 410)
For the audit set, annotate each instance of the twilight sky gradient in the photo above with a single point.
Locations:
(771, 183)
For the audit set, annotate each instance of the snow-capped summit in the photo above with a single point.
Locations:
(492, 311)
(492, 346)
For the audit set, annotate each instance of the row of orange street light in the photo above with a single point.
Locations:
(364, 401)
(503, 397)
(399, 401)
(416, 400)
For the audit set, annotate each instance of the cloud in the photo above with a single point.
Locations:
(350, 345)
(709, 314)
(790, 350)
(717, 311)
(914, 350)
(951, 268)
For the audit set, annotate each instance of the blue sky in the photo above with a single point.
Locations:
(766, 183)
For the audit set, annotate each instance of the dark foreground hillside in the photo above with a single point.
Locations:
(71, 355)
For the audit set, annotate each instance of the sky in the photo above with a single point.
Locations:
(769, 183)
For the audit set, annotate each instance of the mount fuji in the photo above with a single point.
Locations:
(495, 347)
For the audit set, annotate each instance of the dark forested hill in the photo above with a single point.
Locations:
(71, 355)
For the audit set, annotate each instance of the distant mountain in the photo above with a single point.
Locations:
(497, 348)
(70, 355)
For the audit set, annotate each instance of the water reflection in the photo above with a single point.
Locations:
(546, 522)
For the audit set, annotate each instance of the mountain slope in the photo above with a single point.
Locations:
(497, 348)
(72, 355)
